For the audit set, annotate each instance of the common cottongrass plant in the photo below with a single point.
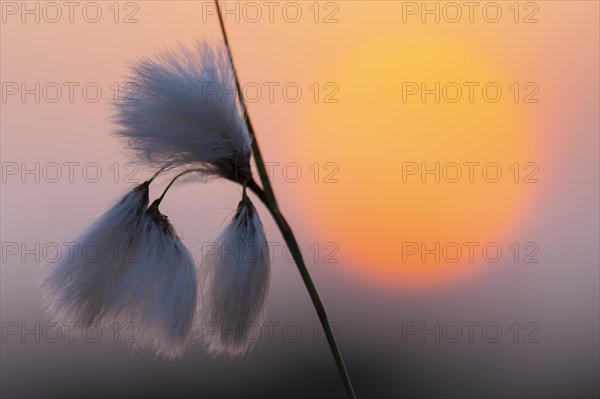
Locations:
(175, 122)
(184, 113)
(140, 273)
(235, 280)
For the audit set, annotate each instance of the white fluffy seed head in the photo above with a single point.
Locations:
(74, 288)
(185, 112)
(129, 268)
(235, 282)
(157, 292)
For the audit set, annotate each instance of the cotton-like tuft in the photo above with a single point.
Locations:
(157, 292)
(75, 287)
(185, 111)
(128, 268)
(235, 282)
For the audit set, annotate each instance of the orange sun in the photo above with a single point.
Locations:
(419, 200)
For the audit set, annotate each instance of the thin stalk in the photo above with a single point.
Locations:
(267, 196)
(159, 200)
(158, 172)
(262, 171)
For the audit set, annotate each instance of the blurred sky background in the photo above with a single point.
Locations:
(349, 135)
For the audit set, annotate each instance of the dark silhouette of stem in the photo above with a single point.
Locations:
(155, 175)
(267, 196)
(185, 172)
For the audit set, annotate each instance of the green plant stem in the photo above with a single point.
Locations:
(267, 196)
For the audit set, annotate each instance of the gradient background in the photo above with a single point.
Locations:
(367, 214)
